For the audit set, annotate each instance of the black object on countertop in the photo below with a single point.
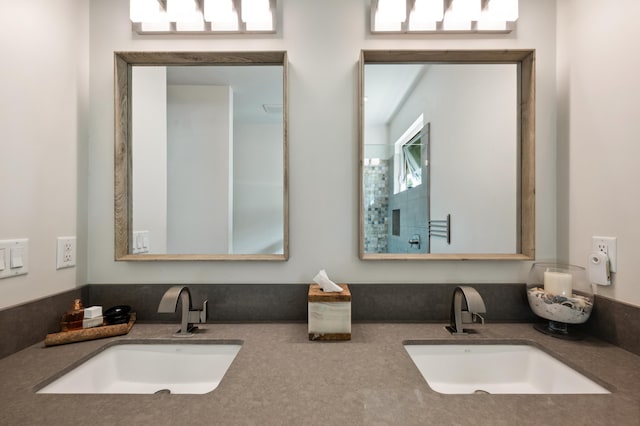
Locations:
(117, 314)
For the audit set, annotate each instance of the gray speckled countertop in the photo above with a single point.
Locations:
(281, 378)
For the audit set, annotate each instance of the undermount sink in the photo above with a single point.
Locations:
(147, 368)
(496, 369)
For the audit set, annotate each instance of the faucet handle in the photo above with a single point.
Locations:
(203, 312)
(475, 316)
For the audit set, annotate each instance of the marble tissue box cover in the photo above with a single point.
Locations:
(329, 314)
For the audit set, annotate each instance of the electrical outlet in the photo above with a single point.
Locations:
(66, 254)
(608, 246)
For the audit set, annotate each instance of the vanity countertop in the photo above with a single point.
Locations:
(280, 377)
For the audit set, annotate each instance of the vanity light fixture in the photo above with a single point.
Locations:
(498, 14)
(390, 15)
(443, 16)
(145, 10)
(222, 15)
(186, 14)
(426, 14)
(183, 11)
(203, 16)
(256, 14)
(149, 15)
(461, 14)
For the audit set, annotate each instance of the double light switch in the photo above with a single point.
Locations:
(13, 257)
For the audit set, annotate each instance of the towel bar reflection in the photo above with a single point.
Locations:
(441, 228)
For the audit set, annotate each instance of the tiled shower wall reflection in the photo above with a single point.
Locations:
(376, 206)
(413, 206)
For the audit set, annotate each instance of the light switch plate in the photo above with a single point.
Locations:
(15, 255)
(140, 242)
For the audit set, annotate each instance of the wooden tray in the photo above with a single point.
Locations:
(93, 333)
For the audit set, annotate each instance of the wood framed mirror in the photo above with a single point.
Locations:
(447, 155)
(201, 156)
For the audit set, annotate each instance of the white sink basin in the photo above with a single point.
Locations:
(193, 368)
(496, 368)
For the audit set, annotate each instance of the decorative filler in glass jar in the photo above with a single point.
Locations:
(562, 294)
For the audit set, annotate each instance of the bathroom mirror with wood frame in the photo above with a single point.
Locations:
(446, 155)
(201, 156)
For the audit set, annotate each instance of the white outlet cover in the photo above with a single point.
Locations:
(612, 249)
(66, 252)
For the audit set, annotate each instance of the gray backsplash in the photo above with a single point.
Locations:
(286, 302)
(615, 322)
(27, 324)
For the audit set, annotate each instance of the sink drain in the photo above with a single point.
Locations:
(481, 391)
(162, 391)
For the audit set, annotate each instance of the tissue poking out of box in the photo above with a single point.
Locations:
(329, 314)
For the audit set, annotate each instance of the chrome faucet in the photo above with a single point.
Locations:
(415, 240)
(474, 307)
(169, 303)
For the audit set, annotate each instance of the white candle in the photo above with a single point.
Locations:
(558, 283)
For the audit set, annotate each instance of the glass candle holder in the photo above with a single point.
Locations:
(561, 294)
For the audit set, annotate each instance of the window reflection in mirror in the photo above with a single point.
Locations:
(460, 175)
(407, 157)
(206, 142)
